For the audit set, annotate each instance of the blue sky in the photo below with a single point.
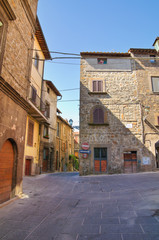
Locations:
(92, 25)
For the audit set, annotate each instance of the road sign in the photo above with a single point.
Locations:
(85, 155)
(85, 146)
(85, 151)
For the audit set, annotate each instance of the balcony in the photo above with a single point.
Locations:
(38, 109)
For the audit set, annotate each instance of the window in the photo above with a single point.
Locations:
(30, 133)
(36, 60)
(33, 95)
(98, 116)
(46, 154)
(58, 129)
(3, 33)
(97, 86)
(155, 84)
(48, 90)
(46, 131)
(102, 60)
(158, 120)
(47, 110)
(1, 30)
(152, 58)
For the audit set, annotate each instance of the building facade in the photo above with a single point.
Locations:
(17, 28)
(64, 145)
(48, 129)
(37, 114)
(117, 101)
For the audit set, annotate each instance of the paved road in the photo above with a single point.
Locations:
(64, 206)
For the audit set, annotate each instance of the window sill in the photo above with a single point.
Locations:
(98, 124)
(46, 137)
(97, 93)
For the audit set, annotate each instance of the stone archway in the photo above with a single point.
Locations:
(157, 154)
(7, 170)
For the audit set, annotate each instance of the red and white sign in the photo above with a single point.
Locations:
(85, 155)
(85, 146)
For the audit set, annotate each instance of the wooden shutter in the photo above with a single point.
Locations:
(97, 86)
(100, 86)
(98, 116)
(94, 86)
(30, 133)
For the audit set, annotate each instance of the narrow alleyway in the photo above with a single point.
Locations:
(64, 206)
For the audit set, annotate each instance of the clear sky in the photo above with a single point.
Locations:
(74, 26)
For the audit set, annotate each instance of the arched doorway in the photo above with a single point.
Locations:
(7, 157)
(157, 154)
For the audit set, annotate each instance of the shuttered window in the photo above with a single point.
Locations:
(155, 84)
(33, 96)
(36, 60)
(30, 133)
(98, 116)
(97, 86)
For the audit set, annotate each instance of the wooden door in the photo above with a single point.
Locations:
(45, 159)
(27, 167)
(6, 170)
(130, 162)
(100, 160)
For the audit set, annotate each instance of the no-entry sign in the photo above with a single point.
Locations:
(85, 146)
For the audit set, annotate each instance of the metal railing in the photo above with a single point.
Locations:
(37, 101)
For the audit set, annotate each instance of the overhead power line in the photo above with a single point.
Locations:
(76, 54)
(72, 89)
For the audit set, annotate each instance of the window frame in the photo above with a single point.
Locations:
(36, 61)
(98, 115)
(152, 84)
(97, 87)
(46, 131)
(30, 138)
(47, 110)
(3, 37)
(58, 129)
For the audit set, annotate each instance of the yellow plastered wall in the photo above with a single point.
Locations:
(37, 74)
(32, 151)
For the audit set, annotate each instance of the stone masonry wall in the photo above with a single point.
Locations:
(124, 131)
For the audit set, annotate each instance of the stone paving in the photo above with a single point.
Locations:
(64, 206)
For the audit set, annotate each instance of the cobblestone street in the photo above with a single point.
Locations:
(64, 206)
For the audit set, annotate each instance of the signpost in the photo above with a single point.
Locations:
(85, 146)
(85, 151)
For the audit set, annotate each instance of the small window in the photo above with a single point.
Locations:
(46, 131)
(47, 110)
(48, 90)
(97, 86)
(98, 116)
(158, 120)
(102, 60)
(155, 84)
(152, 58)
(46, 154)
(36, 60)
(33, 95)
(58, 129)
(30, 133)
(1, 30)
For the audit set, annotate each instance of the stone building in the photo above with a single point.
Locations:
(64, 145)
(37, 114)
(119, 113)
(48, 129)
(17, 29)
